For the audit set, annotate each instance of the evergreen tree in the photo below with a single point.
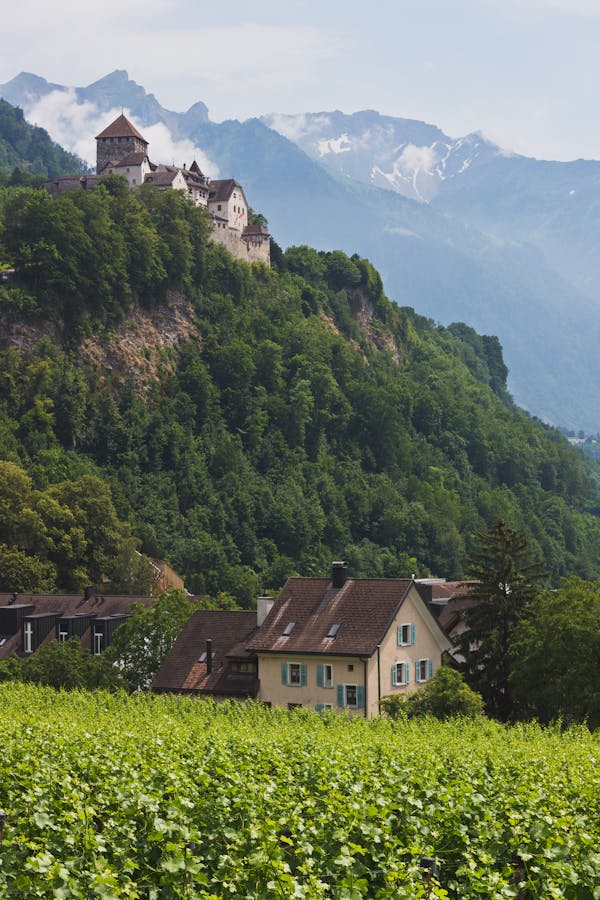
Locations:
(506, 582)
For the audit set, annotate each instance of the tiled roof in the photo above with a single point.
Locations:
(255, 229)
(229, 630)
(162, 178)
(121, 127)
(363, 608)
(98, 605)
(222, 189)
(132, 159)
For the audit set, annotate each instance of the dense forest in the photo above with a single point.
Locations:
(299, 416)
(29, 150)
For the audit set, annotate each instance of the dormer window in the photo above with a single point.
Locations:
(289, 628)
(28, 637)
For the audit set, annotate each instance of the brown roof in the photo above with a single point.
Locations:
(229, 631)
(255, 229)
(132, 159)
(363, 608)
(121, 127)
(222, 189)
(162, 178)
(97, 606)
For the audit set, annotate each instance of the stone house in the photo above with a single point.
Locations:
(325, 643)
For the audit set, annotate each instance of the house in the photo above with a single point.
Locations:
(325, 643)
(122, 150)
(29, 621)
(210, 657)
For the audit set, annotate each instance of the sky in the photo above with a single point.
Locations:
(523, 72)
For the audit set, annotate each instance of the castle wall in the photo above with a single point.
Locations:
(248, 250)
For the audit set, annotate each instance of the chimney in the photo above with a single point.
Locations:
(209, 659)
(89, 592)
(263, 608)
(338, 574)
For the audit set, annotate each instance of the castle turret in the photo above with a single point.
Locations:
(117, 141)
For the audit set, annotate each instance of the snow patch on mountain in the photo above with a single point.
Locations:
(334, 145)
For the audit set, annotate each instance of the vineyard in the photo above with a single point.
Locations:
(155, 797)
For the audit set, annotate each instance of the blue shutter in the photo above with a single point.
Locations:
(430, 668)
(413, 634)
(284, 673)
(399, 635)
(417, 672)
(360, 695)
(302, 674)
(407, 673)
(340, 695)
(320, 676)
(394, 674)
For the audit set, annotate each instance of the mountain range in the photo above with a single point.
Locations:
(459, 230)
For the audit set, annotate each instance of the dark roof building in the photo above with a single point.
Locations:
(210, 656)
(118, 140)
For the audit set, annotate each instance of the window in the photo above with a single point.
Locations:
(325, 675)
(333, 630)
(98, 642)
(351, 667)
(28, 637)
(293, 674)
(63, 633)
(289, 628)
(294, 705)
(400, 674)
(321, 707)
(406, 635)
(423, 669)
(351, 695)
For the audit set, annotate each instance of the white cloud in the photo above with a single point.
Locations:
(75, 125)
(415, 159)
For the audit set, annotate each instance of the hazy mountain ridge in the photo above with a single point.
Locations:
(444, 267)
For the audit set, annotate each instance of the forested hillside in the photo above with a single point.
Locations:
(251, 422)
(30, 149)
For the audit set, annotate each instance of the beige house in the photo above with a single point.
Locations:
(325, 643)
(343, 643)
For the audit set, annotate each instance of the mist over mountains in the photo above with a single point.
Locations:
(459, 230)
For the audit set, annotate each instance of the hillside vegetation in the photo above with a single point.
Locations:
(252, 422)
(148, 797)
(30, 149)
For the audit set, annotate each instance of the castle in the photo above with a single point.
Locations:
(121, 150)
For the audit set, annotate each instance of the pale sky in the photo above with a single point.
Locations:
(524, 72)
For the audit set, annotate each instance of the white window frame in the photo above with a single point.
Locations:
(404, 679)
(294, 680)
(427, 665)
(28, 637)
(63, 633)
(98, 641)
(353, 687)
(327, 678)
(410, 634)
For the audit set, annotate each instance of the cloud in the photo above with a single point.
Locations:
(415, 159)
(75, 125)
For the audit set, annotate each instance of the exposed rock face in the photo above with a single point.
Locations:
(140, 348)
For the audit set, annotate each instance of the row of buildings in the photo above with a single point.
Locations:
(334, 643)
(122, 150)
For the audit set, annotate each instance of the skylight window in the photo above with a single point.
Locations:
(202, 657)
(333, 630)
(289, 628)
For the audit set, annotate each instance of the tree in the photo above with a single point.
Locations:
(444, 696)
(555, 655)
(505, 583)
(141, 643)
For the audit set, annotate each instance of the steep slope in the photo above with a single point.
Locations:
(294, 416)
(30, 149)
(445, 269)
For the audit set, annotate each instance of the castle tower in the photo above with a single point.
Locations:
(118, 141)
